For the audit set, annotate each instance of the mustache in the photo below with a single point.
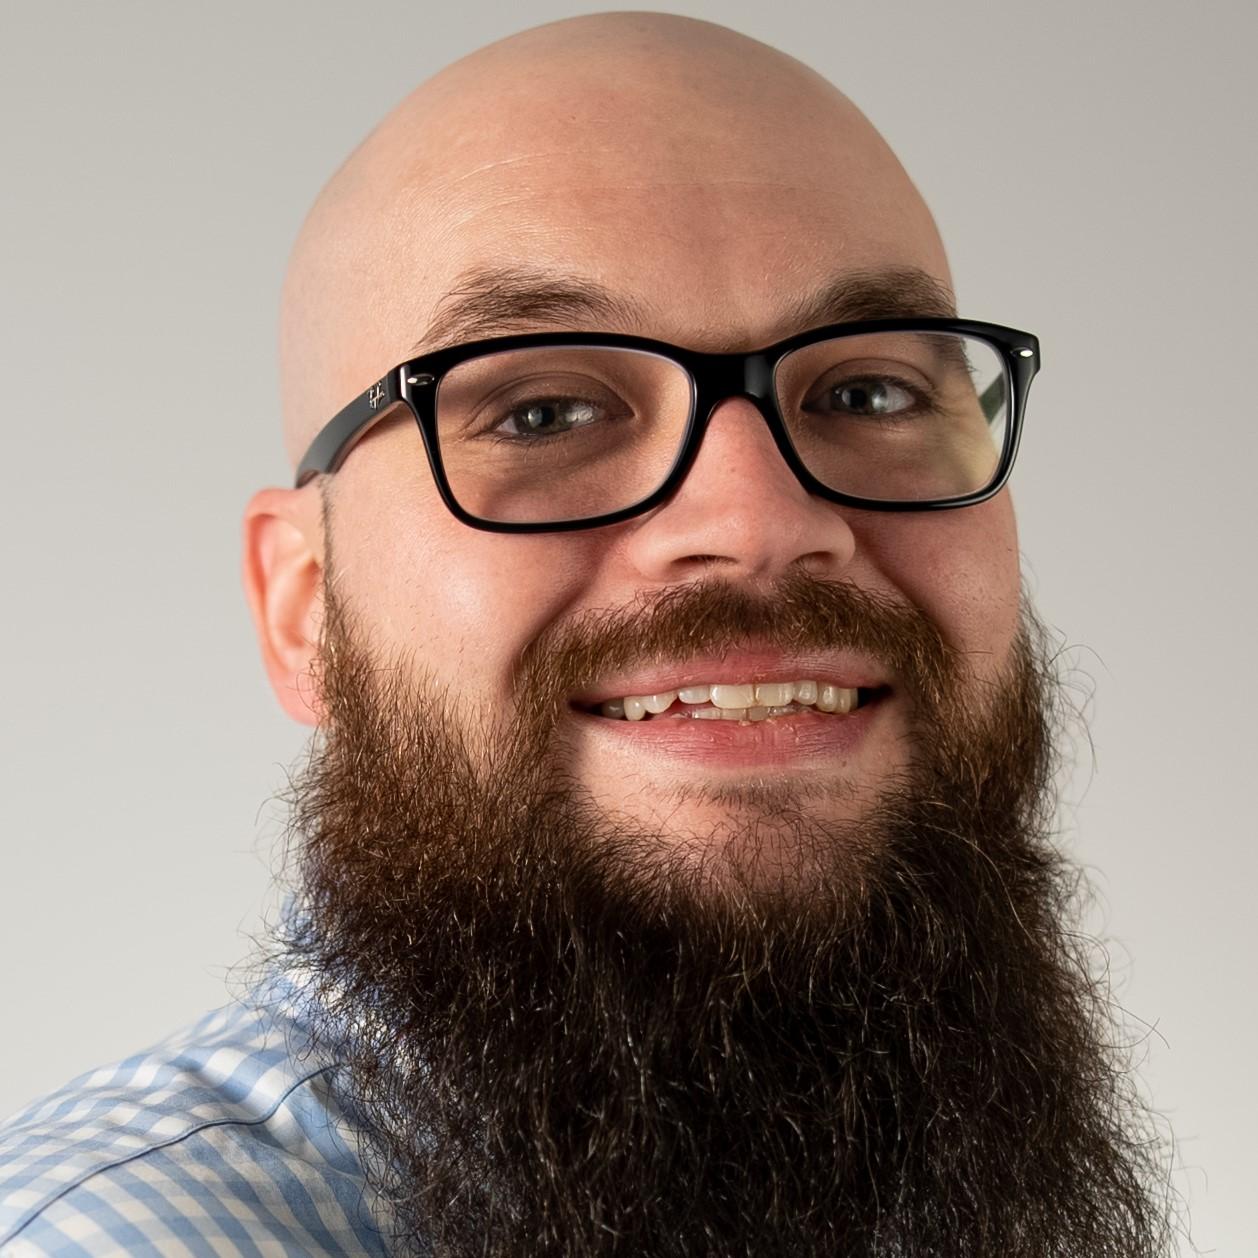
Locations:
(798, 613)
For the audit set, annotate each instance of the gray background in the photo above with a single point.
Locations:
(1092, 170)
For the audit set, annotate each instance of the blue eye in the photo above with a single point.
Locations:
(869, 397)
(549, 416)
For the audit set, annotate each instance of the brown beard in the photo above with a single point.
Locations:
(561, 1038)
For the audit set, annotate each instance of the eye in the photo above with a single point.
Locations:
(868, 397)
(548, 416)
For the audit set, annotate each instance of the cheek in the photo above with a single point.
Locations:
(461, 602)
(485, 598)
(961, 569)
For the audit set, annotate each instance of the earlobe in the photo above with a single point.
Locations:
(282, 570)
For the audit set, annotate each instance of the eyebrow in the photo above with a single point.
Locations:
(488, 301)
(493, 301)
(905, 292)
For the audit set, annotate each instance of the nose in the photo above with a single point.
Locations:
(741, 509)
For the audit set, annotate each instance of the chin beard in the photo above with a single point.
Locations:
(560, 1036)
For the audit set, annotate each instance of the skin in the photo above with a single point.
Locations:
(713, 181)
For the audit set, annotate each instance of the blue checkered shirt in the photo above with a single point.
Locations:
(220, 1140)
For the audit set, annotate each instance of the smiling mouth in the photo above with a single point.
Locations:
(742, 703)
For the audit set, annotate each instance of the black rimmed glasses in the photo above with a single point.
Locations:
(547, 432)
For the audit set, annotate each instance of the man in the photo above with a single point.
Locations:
(671, 872)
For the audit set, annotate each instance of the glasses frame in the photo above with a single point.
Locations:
(714, 378)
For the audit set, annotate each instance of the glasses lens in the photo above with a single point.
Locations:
(897, 416)
(555, 433)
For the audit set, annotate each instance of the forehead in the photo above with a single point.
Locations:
(712, 227)
(711, 265)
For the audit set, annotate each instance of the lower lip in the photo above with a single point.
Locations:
(775, 741)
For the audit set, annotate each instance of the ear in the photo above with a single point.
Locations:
(283, 579)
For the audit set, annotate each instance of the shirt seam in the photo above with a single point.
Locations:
(40, 1207)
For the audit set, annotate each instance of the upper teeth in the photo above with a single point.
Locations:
(751, 702)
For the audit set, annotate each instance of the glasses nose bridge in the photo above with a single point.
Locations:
(719, 377)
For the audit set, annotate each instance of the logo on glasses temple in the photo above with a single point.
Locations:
(376, 394)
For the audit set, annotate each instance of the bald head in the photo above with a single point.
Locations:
(710, 181)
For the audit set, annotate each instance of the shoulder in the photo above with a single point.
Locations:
(218, 1140)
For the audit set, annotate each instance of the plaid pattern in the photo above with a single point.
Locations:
(217, 1141)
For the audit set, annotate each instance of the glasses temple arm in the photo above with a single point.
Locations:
(349, 426)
